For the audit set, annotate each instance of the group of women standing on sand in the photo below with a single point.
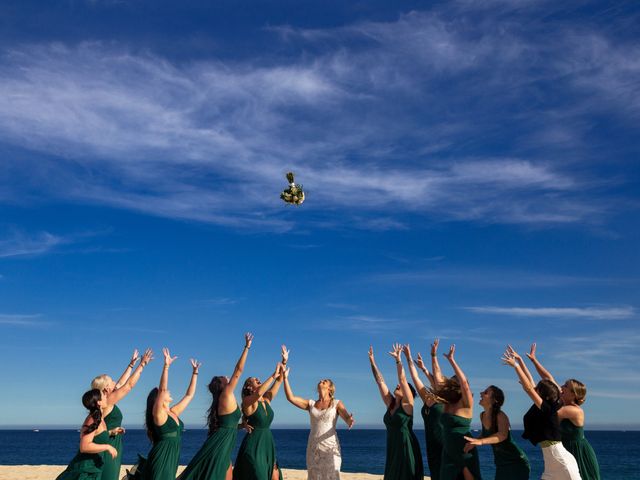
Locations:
(555, 422)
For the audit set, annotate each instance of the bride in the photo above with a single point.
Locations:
(323, 448)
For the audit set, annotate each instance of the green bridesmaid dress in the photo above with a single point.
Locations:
(162, 463)
(257, 455)
(87, 466)
(511, 462)
(454, 429)
(433, 436)
(574, 440)
(404, 457)
(111, 467)
(214, 457)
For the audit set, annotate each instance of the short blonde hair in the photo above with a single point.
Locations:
(100, 382)
(578, 389)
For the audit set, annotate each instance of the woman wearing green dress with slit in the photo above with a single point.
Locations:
(510, 461)
(404, 457)
(456, 425)
(431, 408)
(573, 393)
(213, 460)
(164, 427)
(256, 458)
(113, 392)
(94, 446)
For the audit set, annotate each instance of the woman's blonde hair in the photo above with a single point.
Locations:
(332, 386)
(100, 382)
(578, 389)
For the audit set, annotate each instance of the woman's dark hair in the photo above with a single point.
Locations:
(393, 399)
(148, 413)
(548, 391)
(246, 387)
(497, 400)
(90, 401)
(215, 387)
(449, 390)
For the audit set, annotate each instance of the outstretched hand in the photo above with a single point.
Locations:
(406, 349)
(471, 443)
(350, 420)
(248, 338)
(513, 353)
(452, 351)
(371, 358)
(395, 352)
(532, 352)
(195, 364)
(420, 362)
(285, 354)
(434, 347)
(168, 359)
(147, 356)
(134, 357)
(508, 358)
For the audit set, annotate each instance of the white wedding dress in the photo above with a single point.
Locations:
(323, 448)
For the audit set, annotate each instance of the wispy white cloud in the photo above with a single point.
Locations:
(220, 301)
(18, 320)
(599, 313)
(19, 244)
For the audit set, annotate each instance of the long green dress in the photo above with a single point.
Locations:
(111, 467)
(257, 455)
(511, 462)
(574, 440)
(433, 436)
(404, 457)
(454, 429)
(214, 457)
(162, 463)
(87, 466)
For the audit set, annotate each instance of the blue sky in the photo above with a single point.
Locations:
(471, 168)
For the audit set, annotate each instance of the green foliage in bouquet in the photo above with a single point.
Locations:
(293, 195)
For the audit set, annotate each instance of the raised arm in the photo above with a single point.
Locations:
(465, 389)
(297, 401)
(413, 371)
(345, 415)
(179, 407)
(396, 353)
(119, 393)
(127, 371)
(438, 378)
(543, 372)
(527, 385)
(227, 401)
(275, 386)
(159, 413)
(262, 390)
(382, 387)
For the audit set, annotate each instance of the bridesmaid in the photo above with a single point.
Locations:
(541, 421)
(404, 457)
(113, 392)
(324, 457)
(510, 461)
(431, 409)
(213, 460)
(456, 423)
(571, 415)
(94, 445)
(256, 458)
(164, 426)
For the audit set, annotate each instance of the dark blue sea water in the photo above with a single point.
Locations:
(362, 450)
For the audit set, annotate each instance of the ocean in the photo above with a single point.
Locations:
(362, 450)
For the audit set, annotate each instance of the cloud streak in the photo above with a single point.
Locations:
(597, 313)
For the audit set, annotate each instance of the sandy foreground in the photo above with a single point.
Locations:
(50, 472)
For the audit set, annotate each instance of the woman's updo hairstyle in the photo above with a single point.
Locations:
(100, 382)
(578, 389)
(90, 401)
(247, 389)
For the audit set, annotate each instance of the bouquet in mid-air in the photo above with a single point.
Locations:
(293, 195)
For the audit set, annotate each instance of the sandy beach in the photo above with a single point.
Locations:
(50, 472)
